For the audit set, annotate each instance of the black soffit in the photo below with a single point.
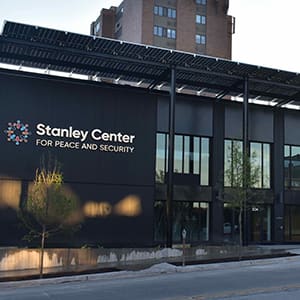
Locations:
(56, 50)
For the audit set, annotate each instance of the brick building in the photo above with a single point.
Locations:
(197, 26)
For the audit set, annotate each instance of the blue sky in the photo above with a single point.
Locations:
(266, 30)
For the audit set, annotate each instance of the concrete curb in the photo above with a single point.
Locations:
(159, 269)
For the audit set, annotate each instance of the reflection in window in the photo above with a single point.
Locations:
(292, 223)
(164, 11)
(186, 155)
(196, 156)
(266, 166)
(191, 156)
(229, 165)
(231, 224)
(200, 39)
(204, 161)
(171, 33)
(178, 154)
(260, 223)
(200, 19)
(260, 159)
(158, 30)
(256, 159)
(158, 10)
(161, 159)
(191, 216)
(202, 2)
(172, 13)
(292, 166)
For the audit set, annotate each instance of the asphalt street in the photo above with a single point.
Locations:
(264, 279)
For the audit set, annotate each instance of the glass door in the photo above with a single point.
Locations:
(260, 222)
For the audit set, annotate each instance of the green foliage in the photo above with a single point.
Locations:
(242, 177)
(49, 207)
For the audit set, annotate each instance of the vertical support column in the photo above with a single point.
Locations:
(170, 188)
(245, 153)
(278, 177)
(217, 205)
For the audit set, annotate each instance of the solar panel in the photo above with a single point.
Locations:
(38, 47)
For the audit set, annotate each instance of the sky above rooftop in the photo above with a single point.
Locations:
(266, 30)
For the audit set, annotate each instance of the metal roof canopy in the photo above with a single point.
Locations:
(49, 49)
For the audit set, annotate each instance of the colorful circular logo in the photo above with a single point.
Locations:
(17, 132)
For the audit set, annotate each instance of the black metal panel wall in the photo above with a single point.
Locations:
(192, 117)
(291, 127)
(104, 139)
(261, 124)
(278, 175)
(234, 121)
(217, 207)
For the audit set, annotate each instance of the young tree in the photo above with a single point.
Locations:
(241, 176)
(49, 209)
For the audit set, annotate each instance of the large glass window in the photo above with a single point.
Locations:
(158, 30)
(191, 216)
(158, 10)
(260, 159)
(171, 33)
(202, 2)
(260, 223)
(231, 224)
(292, 223)
(164, 32)
(178, 154)
(200, 19)
(292, 166)
(204, 161)
(172, 13)
(191, 156)
(200, 39)
(164, 11)
(230, 167)
(161, 158)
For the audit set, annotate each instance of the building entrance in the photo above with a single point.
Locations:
(260, 223)
(292, 223)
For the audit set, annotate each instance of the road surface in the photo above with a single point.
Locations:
(262, 279)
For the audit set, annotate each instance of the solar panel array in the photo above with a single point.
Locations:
(49, 49)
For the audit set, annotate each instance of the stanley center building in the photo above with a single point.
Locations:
(142, 112)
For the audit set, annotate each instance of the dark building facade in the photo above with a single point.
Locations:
(115, 161)
(197, 26)
(146, 154)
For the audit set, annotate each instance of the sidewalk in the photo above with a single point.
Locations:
(258, 254)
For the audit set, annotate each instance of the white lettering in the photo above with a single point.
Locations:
(82, 135)
(43, 129)
(117, 149)
(44, 143)
(89, 146)
(98, 135)
(40, 129)
(63, 144)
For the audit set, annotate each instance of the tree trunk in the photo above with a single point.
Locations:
(241, 232)
(241, 226)
(42, 251)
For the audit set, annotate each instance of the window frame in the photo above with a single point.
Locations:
(289, 178)
(200, 39)
(184, 162)
(200, 19)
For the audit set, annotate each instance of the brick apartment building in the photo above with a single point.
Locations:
(197, 26)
